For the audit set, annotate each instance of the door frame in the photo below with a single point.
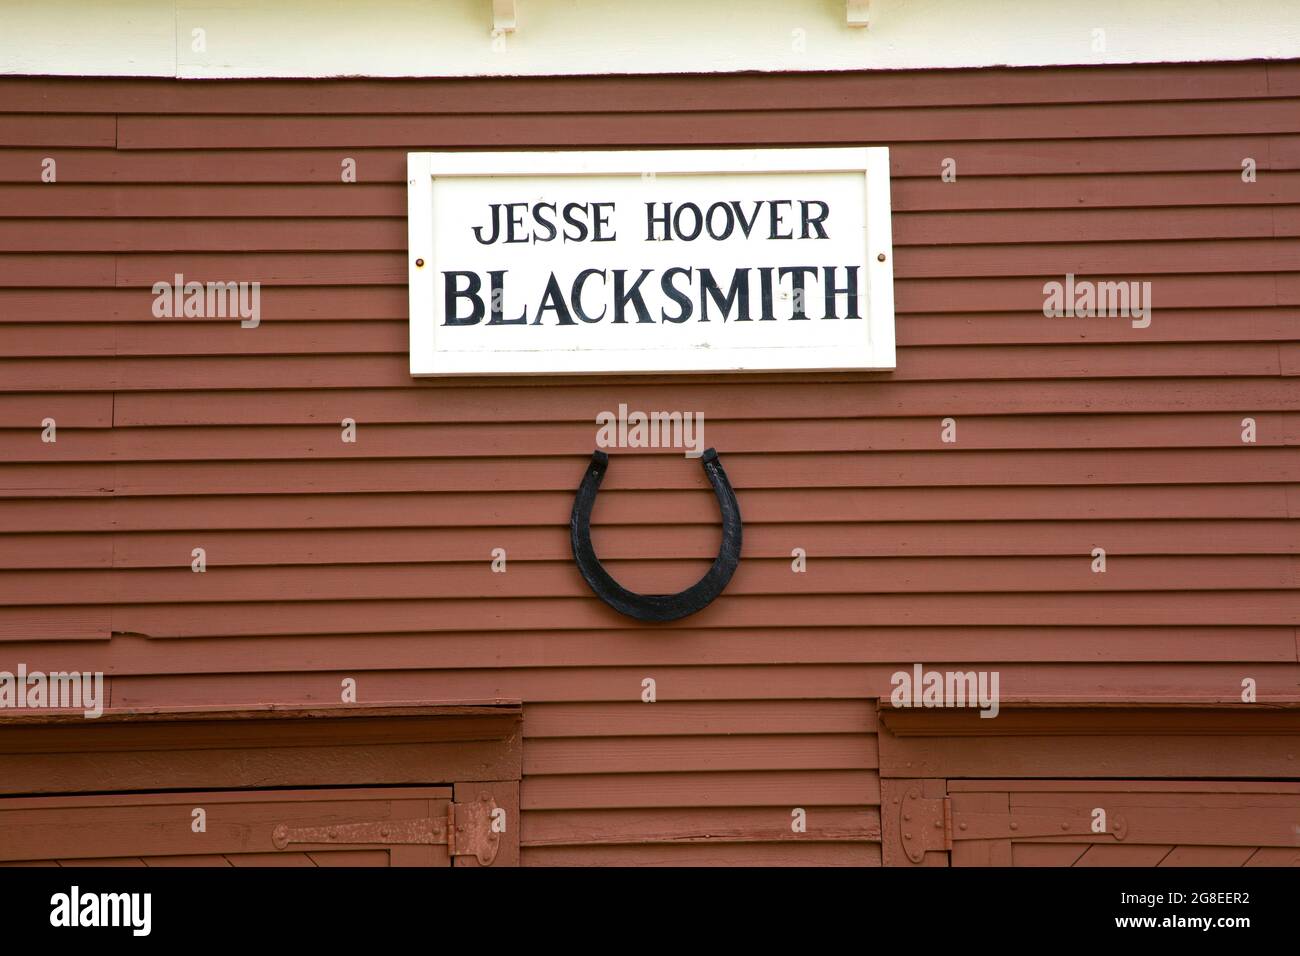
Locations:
(926, 755)
(473, 747)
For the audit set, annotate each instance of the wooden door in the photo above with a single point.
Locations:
(314, 827)
(1145, 823)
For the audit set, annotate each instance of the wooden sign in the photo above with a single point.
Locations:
(650, 261)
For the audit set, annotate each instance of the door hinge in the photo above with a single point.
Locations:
(925, 824)
(467, 830)
(1024, 824)
(471, 831)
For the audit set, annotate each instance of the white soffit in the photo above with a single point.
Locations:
(320, 38)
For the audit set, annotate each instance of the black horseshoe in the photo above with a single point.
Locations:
(656, 607)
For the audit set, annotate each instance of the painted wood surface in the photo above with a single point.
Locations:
(1146, 823)
(372, 560)
(237, 828)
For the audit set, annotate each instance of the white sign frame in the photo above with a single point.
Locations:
(872, 162)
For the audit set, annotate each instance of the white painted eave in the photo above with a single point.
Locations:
(412, 38)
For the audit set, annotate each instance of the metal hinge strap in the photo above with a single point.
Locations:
(467, 831)
(924, 824)
(1023, 825)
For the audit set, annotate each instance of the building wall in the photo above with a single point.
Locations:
(370, 560)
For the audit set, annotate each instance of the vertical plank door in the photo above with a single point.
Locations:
(319, 827)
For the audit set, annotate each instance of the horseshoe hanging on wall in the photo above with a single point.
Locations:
(656, 607)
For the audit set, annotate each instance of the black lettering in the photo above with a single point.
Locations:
(814, 221)
(497, 299)
(677, 221)
(746, 224)
(739, 291)
(796, 274)
(496, 226)
(765, 292)
(601, 219)
(773, 207)
(850, 290)
(548, 224)
(633, 295)
(651, 219)
(576, 296)
(731, 220)
(513, 220)
(451, 292)
(681, 298)
(577, 223)
(553, 301)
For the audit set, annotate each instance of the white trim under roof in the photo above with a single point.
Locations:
(311, 38)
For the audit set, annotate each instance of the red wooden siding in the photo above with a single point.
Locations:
(371, 560)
